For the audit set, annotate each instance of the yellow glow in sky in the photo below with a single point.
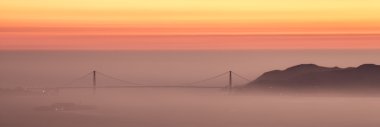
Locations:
(286, 15)
(53, 24)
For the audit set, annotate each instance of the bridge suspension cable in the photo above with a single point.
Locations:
(242, 77)
(143, 84)
(207, 79)
(121, 80)
(77, 79)
(137, 84)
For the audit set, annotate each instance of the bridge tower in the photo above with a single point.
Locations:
(94, 81)
(230, 81)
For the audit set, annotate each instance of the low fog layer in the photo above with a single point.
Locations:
(145, 107)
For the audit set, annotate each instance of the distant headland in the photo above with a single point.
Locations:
(311, 77)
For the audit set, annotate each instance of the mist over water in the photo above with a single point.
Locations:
(49, 68)
(189, 108)
(175, 107)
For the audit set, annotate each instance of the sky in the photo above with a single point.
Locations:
(189, 24)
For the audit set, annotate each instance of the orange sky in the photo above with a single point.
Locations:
(189, 24)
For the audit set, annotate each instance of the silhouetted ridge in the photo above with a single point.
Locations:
(369, 67)
(304, 67)
(311, 76)
(292, 72)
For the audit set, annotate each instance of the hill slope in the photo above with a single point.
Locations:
(314, 77)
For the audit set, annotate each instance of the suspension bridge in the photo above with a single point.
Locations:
(132, 84)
